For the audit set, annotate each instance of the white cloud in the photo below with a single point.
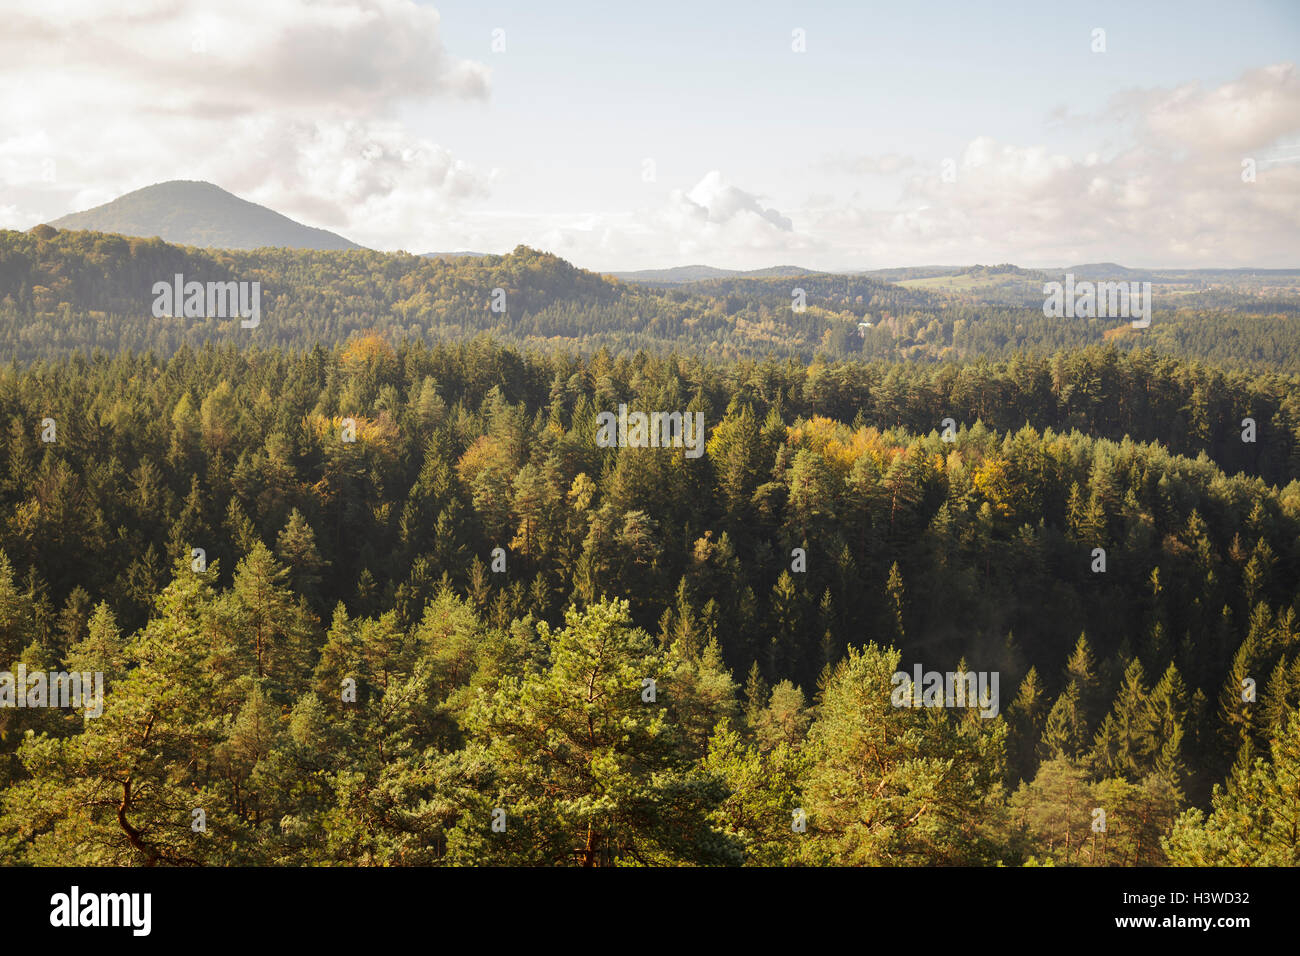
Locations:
(291, 104)
(1246, 114)
(352, 56)
(715, 201)
(1172, 194)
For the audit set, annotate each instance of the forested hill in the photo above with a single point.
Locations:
(68, 291)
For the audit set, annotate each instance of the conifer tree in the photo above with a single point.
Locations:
(1065, 732)
(1125, 744)
(880, 786)
(1254, 819)
(593, 771)
(1026, 717)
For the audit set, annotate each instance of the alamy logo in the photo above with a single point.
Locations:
(953, 689)
(60, 689)
(656, 430)
(211, 300)
(103, 909)
(1102, 300)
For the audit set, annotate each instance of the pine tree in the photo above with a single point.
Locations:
(1281, 694)
(1081, 670)
(590, 770)
(1065, 732)
(700, 692)
(17, 626)
(762, 796)
(102, 650)
(879, 788)
(785, 720)
(261, 610)
(1126, 742)
(895, 601)
(830, 650)
(119, 793)
(1026, 717)
(1169, 712)
(1237, 712)
(756, 696)
(785, 625)
(1055, 809)
(1255, 818)
(296, 547)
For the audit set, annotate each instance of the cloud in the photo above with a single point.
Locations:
(1246, 114)
(714, 221)
(1172, 193)
(293, 104)
(240, 56)
(719, 222)
(373, 181)
(716, 201)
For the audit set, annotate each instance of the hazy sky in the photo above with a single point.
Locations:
(639, 135)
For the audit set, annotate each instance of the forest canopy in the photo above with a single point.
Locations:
(430, 644)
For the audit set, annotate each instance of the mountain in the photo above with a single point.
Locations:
(193, 213)
(680, 274)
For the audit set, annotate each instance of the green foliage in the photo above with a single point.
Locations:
(368, 564)
(590, 768)
(890, 786)
(1254, 819)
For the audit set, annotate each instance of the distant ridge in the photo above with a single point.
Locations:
(193, 213)
(1105, 270)
(698, 273)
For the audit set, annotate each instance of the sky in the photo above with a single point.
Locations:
(627, 136)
